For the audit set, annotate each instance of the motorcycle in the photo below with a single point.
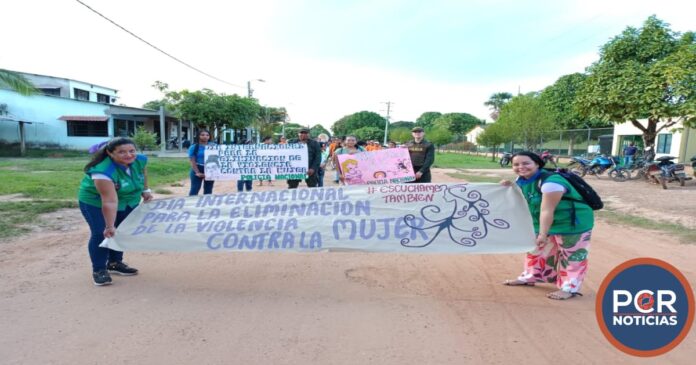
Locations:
(505, 159)
(693, 165)
(579, 165)
(664, 170)
(639, 169)
(617, 172)
(547, 157)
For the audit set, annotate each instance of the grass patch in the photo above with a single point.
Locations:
(685, 234)
(475, 178)
(163, 191)
(463, 161)
(13, 150)
(59, 178)
(14, 216)
(54, 183)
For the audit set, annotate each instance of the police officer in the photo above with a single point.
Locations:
(422, 155)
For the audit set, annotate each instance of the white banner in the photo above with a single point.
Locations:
(450, 218)
(256, 162)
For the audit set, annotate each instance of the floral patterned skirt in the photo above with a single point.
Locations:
(563, 260)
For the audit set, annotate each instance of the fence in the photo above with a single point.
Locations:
(569, 142)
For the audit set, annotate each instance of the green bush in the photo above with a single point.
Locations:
(145, 140)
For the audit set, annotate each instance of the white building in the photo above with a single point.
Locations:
(677, 140)
(73, 114)
(473, 134)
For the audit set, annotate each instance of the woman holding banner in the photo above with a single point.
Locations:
(350, 147)
(115, 181)
(563, 223)
(196, 154)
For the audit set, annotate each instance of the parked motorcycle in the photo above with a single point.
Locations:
(639, 169)
(505, 159)
(693, 165)
(547, 157)
(579, 165)
(665, 170)
(617, 172)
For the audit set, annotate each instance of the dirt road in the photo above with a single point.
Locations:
(324, 308)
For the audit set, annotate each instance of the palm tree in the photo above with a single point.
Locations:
(16, 82)
(496, 102)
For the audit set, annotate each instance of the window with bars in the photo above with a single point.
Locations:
(78, 128)
(81, 94)
(664, 143)
(102, 98)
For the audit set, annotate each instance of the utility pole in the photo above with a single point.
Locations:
(250, 92)
(386, 125)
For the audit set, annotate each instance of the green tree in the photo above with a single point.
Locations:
(496, 102)
(318, 129)
(17, 82)
(207, 108)
(145, 140)
(402, 124)
(527, 118)
(648, 73)
(457, 123)
(439, 135)
(561, 101)
(493, 136)
(369, 133)
(400, 134)
(350, 123)
(426, 119)
(291, 130)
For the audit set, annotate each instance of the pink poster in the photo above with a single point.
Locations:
(387, 166)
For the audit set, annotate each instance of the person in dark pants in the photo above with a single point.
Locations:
(115, 182)
(196, 154)
(314, 155)
(244, 184)
(629, 153)
(422, 155)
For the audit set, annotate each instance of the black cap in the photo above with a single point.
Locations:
(417, 129)
(304, 130)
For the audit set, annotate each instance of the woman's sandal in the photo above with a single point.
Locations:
(517, 283)
(562, 295)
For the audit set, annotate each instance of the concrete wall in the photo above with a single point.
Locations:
(92, 89)
(676, 149)
(43, 112)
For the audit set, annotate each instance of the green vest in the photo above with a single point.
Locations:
(128, 187)
(570, 217)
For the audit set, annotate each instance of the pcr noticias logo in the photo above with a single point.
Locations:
(645, 307)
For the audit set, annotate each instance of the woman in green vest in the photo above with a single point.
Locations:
(563, 226)
(115, 181)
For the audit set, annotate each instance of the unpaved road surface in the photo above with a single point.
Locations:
(323, 308)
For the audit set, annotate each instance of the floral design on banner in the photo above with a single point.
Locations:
(465, 218)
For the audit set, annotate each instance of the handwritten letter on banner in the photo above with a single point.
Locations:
(386, 166)
(256, 162)
(449, 218)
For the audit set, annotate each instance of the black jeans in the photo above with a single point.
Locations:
(311, 181)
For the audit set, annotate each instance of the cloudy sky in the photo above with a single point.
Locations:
(324, 59)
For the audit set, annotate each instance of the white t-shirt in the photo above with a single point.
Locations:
(105, 177)
(552, 187)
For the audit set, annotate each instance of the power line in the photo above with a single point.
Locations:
(157, 48)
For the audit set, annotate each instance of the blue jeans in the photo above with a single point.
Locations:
(242, 183)
(628, 160)
(95, 219)
(196, 183)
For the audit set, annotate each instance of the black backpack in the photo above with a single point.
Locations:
(589, 195)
